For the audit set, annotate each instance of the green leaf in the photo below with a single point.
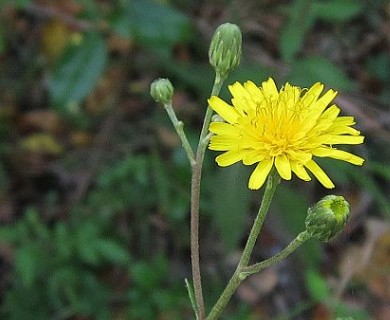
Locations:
(317, 286)
(19, 4)
(344, 311)
(301, 20)
(198, 76)
(77, 72)
(8, 235)
(368, 183)
(380, 168)
(305, 72)
(111, 251)
(38, 228)
(63, 237)
(379, 66)
(191, 295)
(152, 24)
(145, 276)
(338, 10)
(230, 203)
(3, 177)
(2, 42)
(85, 239)
(27, 263)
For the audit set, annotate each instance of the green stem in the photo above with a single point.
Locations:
(203, 141)
(192, 298)
(255, 268)
(272, 182)
(179, 127)
(196, 167)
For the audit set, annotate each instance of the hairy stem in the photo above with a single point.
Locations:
(297, 242)
(195, 200)
(179, 127)
(272, 182)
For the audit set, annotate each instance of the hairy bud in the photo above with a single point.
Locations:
(327, 218)
(225, 48)
(161, 90)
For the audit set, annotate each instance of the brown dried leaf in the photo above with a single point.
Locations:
(42, 120)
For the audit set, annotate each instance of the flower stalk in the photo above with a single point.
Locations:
(179, 127)
(272, 182)
(196, 168)
(162, 91)
(224, 55)
(295, 244)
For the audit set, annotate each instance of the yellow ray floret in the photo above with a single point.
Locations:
(283, 128)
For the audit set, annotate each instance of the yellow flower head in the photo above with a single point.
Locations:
(285, 128)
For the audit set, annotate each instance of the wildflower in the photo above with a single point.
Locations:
(285, 129)
(327, 218)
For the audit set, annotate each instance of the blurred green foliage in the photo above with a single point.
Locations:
(303, 15)
(66, 267)
(151, 24)
(55, 269)
(132, 223)
(78, 71)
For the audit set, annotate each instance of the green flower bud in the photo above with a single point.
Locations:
(217, 118)
(161, 90)
(225, 48)
(327, 217)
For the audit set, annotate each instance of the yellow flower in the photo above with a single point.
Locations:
(283, 128)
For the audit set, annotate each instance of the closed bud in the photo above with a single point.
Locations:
(161, 90)
(225, 48)
(327, 218)
(217, 118)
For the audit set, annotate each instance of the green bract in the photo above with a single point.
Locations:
(225, 48)
(327, 217)
(161, 90)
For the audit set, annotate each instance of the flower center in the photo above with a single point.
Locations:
(278, 145)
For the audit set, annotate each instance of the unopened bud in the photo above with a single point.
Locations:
(217, 118)
(225, 48)
(327, 218)
(161, 90)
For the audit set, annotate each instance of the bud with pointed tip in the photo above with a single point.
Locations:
(161, 90)
(327, 217)
(225, 48)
